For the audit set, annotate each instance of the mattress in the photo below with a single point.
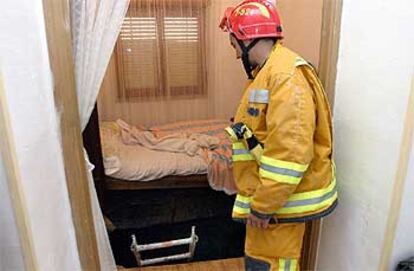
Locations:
(139, 163)
(198, 147)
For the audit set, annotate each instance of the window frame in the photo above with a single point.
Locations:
(163, 92)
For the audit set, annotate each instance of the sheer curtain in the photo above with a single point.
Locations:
(95, 28)
(171, 63)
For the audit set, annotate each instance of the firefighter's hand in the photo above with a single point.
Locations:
(256, 222)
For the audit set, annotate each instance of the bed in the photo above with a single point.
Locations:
(186, 154)
(103, 182)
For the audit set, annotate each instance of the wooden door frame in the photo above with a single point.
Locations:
(406, 146)
(328, 59)
(328, 54)
(14, 184)
(57, 16)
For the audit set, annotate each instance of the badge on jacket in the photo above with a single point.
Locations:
(254, 112)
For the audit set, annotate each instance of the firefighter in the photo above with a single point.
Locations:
(291, 179)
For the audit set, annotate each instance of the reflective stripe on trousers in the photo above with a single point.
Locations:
(252, 264)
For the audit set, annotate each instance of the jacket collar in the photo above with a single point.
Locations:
(273, 54)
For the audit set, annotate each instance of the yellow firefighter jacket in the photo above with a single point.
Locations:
(286, 108)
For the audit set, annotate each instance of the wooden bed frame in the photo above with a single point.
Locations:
(169, 182)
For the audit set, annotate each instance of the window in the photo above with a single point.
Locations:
(160, 50)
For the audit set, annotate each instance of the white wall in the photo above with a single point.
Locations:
(24, 61)
(373, 83)
(404, 239)
(11, 258)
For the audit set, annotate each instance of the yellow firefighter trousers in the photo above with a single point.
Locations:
(277, 248)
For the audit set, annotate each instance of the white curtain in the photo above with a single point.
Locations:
(95, 28)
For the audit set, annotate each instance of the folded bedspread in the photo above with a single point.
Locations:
(220, 169)
(181, 148)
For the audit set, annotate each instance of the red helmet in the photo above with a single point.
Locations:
(252, 19)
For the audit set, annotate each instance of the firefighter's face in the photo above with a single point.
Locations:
(236, 46)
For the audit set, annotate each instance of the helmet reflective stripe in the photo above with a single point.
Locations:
(245, 11)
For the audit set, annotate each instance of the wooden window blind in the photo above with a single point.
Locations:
(160, 50)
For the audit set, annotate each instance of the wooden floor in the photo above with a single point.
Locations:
(222, 265)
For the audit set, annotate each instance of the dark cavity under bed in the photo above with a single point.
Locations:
(161, 215)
